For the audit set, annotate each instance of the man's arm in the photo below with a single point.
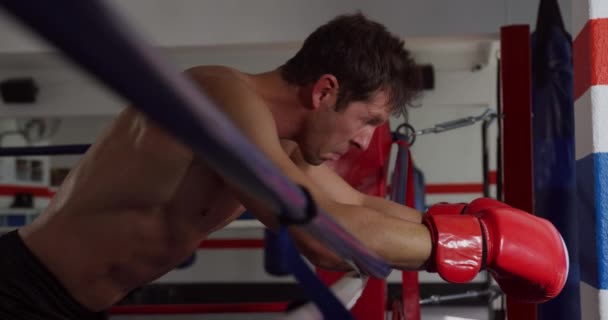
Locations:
(402, 243)
(339, 190)
(392, 208)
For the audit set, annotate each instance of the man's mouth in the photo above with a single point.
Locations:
(334, 156)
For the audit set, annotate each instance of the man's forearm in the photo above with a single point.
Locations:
(392, 208)
(403, 244)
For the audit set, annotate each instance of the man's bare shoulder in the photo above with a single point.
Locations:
(227, 86)
(235, 94)
(215, 71)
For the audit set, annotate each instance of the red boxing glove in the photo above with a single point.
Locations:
(525, 254)
(480, 204)
(471, 208)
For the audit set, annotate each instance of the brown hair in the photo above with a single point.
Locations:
(363, 55)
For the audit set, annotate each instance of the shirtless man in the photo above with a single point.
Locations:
(139, 201)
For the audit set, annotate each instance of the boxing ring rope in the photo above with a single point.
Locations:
(151, 309)
(169, 99)
(172, 101)
(70, 149)
(348, 289)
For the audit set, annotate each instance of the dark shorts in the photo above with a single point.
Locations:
(29, 291)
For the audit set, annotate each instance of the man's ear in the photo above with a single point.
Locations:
(325, 91)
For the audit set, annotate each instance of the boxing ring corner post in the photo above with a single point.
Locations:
(515, 70)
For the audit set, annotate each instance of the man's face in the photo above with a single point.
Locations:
(330, 134)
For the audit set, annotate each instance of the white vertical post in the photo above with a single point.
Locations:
(590, 36)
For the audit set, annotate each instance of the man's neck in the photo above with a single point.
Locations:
(283, 100)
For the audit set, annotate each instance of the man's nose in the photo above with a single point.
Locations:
(363, 138)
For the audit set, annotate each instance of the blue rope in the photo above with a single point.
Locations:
(282, 258)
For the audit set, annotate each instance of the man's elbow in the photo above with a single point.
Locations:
(323, 258)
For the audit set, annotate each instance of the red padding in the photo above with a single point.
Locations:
(454, 188)
(198, 308)
(410, 287)
(590, 59)
(10, 190)
(366, 170)
(444, 188)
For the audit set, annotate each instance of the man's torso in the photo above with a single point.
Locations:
(111, 241)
